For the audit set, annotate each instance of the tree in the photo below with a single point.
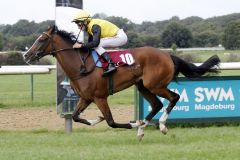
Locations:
(22, 28)
(123, 23)
(151, 40)
(206, 39)
(100, 15)
(22, 34)
(15, 58)
(133, 40)
(178, 34)
(1, 41)
(231, 37)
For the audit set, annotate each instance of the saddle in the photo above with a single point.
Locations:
(119, 58)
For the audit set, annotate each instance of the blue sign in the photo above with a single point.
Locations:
(202, 99)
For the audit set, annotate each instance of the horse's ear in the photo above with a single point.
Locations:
(52, 28)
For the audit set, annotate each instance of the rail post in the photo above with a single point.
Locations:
(31, 87)
(68, 105)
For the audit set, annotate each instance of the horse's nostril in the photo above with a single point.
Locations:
(25, 56)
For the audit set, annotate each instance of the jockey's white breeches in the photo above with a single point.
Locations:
(112, 42)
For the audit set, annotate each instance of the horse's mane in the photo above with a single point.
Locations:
(66, 35)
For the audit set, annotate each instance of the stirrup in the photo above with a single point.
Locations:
(111, 69)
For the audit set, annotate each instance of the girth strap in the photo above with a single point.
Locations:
(110, 85)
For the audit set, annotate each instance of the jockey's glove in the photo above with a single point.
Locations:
(77, 45)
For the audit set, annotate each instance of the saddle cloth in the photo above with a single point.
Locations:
(119, 58)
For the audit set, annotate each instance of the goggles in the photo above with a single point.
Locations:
(79, 23)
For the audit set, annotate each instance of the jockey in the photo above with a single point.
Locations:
(101, 34)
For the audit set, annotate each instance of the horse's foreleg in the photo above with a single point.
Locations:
(95, 121)
(173, 98)
(82, 105)
(104, 108)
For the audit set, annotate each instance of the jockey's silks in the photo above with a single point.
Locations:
(107, 28)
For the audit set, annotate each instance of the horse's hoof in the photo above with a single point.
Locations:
(140, 137)
(140, 133)
(139, 123)
(164, 130)
(100, 118)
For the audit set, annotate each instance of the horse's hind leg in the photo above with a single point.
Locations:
(82, 105)
(173, 98)
(155, 103)
(104, 108)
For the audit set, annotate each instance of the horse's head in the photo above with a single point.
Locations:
(41, 47)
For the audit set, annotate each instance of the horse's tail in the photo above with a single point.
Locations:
(192, 71)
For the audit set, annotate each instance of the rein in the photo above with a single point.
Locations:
(59, 50)
(54, 52)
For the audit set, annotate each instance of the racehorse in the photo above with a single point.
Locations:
(151, 73)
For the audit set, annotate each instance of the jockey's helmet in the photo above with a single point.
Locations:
(81, 16)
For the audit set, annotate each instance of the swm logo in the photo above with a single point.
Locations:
(217, 94)
(205, 94)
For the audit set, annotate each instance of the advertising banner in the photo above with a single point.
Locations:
(215, 99)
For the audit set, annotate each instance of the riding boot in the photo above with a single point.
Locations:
(83, 70)
(111, 66)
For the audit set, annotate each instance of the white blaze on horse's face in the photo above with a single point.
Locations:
(32, 48)
(38, 46)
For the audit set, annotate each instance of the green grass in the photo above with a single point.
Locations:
(224, 55)
(209, 143)
(15, 90)
(124, 97)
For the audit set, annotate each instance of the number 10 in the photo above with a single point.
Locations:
(127, 58)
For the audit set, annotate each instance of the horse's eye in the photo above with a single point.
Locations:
(41, 39)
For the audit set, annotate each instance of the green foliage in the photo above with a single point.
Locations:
(206, 39)
(231, 38)
(12, 58)
(3, 59)
(151, 40)
(133, 40)
(191, 31)
(22, 34)
(1, 41)
(20, 42)
(16, 58)
(178, 34)
(189, 21)
(174, 48)
(123, 23)
(22, 28)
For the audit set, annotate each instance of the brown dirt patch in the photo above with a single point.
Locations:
(47, 118)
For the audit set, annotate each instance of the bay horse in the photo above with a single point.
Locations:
(151, 73)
